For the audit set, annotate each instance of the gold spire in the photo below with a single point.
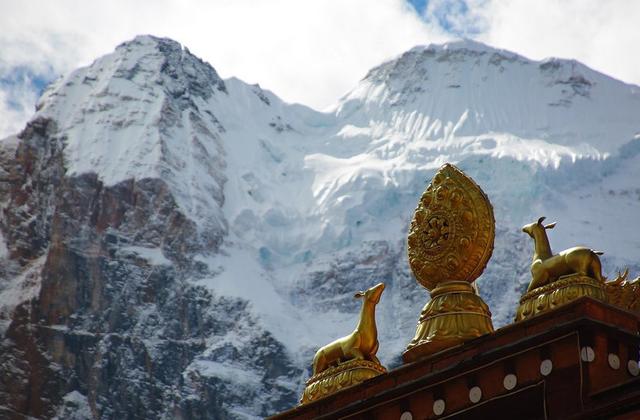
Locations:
(449, 244)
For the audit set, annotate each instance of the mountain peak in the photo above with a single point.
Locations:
(463, 44)
(467, 43)
(137, 62)
(475, 89)
(421, 56)
(151, 41)
(147, 110)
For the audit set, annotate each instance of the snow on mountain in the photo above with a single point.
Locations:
(121, 115)
(224, 231)
(465, 88)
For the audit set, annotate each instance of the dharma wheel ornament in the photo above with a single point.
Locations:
(450, 242)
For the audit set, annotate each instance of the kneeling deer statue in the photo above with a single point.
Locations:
(547, 268)
(361, 344)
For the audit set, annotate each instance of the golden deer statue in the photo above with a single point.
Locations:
(361, 344)
(547, 268)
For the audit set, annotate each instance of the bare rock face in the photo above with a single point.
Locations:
(111, 322)
(33, 175)
(115, 320)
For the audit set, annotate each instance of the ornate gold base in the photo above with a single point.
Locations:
(454, 314)
(624, 293)
(561, 291)
(339, 377)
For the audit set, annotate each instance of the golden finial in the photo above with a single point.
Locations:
(575, 272)
(451, 234)
(449, 244)
(351, 359)
(547, 268)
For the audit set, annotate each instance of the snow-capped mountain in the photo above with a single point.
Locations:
(175, 245)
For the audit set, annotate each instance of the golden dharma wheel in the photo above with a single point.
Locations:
(452, 231)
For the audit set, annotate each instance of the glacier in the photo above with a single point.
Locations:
(263, 217)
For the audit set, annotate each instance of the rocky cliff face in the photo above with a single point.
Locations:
(175, 245)
(112, 324)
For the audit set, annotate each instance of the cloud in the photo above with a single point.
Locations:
(310, 52)
(463, 18)
(19, 91)
(305, 51)
(602, 35)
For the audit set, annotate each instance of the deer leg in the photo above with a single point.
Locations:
(596, 268)
(355, 354)
(540, 278)
(371, 355)
(319, 362)
(374, 350)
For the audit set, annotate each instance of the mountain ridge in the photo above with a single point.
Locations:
(190, 241)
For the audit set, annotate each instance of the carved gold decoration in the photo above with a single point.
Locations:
(547, 268)
(560, 292)
(573, 273)
(451, 234)
(449, 244)
(340, 377)
(350, 359)
(623, 293)
(454, 315)
(362, 343)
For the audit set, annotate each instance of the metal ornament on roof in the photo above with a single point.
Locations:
(351, 359)
(449, 244)
(452, 231)
(576, 272)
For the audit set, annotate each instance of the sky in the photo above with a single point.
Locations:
(306, 51)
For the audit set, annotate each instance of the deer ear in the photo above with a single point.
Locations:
(550, 225)
(540, 220)
(358, 295)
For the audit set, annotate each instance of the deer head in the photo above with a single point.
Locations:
(372, 294)
(537, 231)
(537, 227)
